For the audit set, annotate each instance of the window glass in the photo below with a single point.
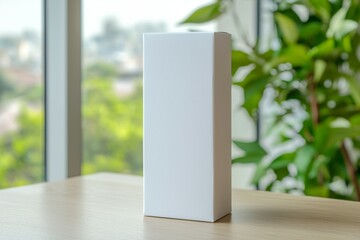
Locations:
(21, 92)
(112, 76)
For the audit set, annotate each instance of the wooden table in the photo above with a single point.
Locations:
(109, 206)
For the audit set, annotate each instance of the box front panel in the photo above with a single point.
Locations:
(178, 127)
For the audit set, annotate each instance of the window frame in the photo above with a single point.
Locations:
(62, 74)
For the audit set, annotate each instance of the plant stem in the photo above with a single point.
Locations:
(313, 101)
(314, 114)
(351, 170)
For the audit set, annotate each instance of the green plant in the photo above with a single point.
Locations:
(313, 75)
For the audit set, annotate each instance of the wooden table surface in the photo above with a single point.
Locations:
(109, 206)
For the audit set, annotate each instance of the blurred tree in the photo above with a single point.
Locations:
(21, 151)
(112, 131)
(100, 69)
(112, 128)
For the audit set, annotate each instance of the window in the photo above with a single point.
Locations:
(112, 82)
(21, 93)
(112, 77)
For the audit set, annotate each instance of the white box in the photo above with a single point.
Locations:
(187, 125)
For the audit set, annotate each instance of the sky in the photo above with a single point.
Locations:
(18, 15)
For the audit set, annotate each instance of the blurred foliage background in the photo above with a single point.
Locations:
(112, 129)
(21, 142)
(112, 136)
(309, 81)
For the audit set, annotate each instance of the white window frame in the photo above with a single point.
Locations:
(63, 133)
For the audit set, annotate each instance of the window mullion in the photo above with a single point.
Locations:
(63, 88)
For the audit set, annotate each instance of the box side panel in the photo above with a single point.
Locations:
(178, 137)
(222, 125)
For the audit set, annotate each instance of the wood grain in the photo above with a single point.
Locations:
(109, 206)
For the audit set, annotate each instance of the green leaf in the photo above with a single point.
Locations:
(310, 30)
(339, 27)
(323, 49)
(346, 44)
(254, 75)
(355, 120)
(282, 161)
(319, 166)
(253, 93)
(267, 55)
(319, 69)
(206, 13)
(339, 134)
(253, 84)
(327, 137)
(303, 160)
(296, 55)
(239, 59)
(287, 27)
(253, 152)
(260, 172)
(354, 85)
(249, 158)
(343, 111)
(336, 22)
(347, 27)
(321, 137)
(250, 146)
(317, 190)
(321, 8)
